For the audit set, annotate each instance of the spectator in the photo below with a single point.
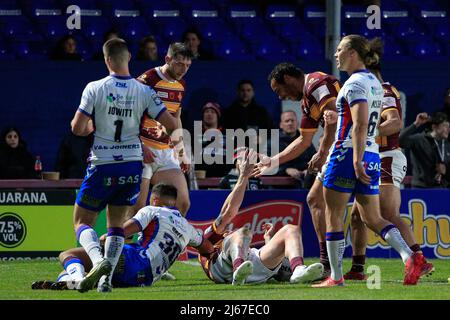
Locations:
(72, 156)
(430, 151)
(193, 40)
(111, 34)
(296, 168)
(213, 143)
(66, 49)
(16, 162)
(245, 113)
(230, 180)
(446, 108)
(148, 49)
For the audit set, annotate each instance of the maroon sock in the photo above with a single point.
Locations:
(324, 255)
(295, 262)
(358, 263)
(237, 262)
(415, 248)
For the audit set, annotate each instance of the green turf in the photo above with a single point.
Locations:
(191, 284)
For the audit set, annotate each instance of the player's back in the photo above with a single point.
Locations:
(166, 229)
(362, 86)
(116, 105)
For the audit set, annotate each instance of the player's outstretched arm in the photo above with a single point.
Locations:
(234, 200)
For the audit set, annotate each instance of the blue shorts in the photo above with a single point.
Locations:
(340, 174)
(116, 184)
(133, 268)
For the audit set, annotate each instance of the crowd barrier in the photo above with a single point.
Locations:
(36, 218)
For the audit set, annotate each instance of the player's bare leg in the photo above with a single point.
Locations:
(141, 200)
(287, 242)
(359, 244)
(316, 204)
(237, 246)
(177, 179)
(334, 214)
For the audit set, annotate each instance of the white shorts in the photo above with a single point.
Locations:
(164, 160)
(393, 167)
(321, 174)
(222, 269)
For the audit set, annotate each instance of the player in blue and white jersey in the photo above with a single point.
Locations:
(112, 108)
(354, 161)
(163, 235)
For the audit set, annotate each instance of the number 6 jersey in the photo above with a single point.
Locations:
(362, 86)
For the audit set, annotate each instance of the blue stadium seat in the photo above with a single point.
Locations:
(393, 50)
(30, 50)
(255, 31)
(54, 27)
(171, 29)
(292, 31)
(18, 28)
(213, 30)
(232, 50)
(441, 31)
(309, 49)
(425, 49)
(242, 14)
(133, 28)
(409, 31)
(315, 19)
(272, 50)
(94, 28)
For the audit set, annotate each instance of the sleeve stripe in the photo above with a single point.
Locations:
(308, 130)
(84, 112)
(160, 113)
(388, 109)
(323, 104)
(357, 101)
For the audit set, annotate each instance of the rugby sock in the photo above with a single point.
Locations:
(324, 255)
(358, 263)
(415, 248)
(88, 239)
(393, 237)
(295, 262)
(63, 276)
(74, 268)
(335, 248)
(113, 247)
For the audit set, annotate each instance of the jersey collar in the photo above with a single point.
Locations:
(121, 77)
(361, 70)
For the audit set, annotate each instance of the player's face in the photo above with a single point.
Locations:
(178, 66)
(288, 122)
(12, 139)
(288, 90)
(342, 55)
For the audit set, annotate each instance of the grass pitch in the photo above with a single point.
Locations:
(192, 284)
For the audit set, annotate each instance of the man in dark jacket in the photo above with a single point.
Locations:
(430, 151)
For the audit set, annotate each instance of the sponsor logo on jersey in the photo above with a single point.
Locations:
(114, 181)
(121, 84)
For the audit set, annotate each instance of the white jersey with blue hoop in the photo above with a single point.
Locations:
(165, 230)
(362, 86)
(116, 104)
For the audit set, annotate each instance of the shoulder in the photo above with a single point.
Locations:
(149, 77)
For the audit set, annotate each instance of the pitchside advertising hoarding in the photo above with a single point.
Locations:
(38, 223)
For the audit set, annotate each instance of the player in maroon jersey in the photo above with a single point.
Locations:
(393, 171)
(317, 92)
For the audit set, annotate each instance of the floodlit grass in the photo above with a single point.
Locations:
(192, 284)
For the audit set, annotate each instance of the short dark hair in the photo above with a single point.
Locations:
(194, 31)
(166, 191)
(245, 81)
(117, 50)
(285, 68)
(179, 48)
(438, 118)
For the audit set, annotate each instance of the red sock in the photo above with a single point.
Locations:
(295, 262)
(324, 255)
(358, 263)
(237, 262)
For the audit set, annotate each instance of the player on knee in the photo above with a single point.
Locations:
(163, 235)
(115, 163)
(233, 261)
(317, 92)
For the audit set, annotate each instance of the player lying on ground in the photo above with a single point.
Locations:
(163, 235)
(233, 261)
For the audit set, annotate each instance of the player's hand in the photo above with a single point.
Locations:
(421, 119)
(262, 166)
(330, 116)
(247, 164)
(441, 169)
(316, 162)
(102, 239)
(149, 156)
(294, 173)
(269, 231)
(185, 167)
(361, 174)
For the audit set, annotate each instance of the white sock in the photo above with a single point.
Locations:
(88, 239)
(396, 241)
(335, 248)
(75, 269)
(113, 249)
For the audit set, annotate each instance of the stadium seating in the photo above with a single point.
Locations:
(44, 22)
